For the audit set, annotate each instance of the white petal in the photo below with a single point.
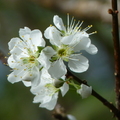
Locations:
(13, 42)
(36, 38)
(45, 56)
(36, 74)
(58, 23)
(19, 48)
(47, 33)
(45, 77)
(67, 40)
(32, 75)
(85, 91)
(38, 98)
(64, 88)
(51, 104)
(57, 69)
(13, 78)
(53, 35)
(24, 31)
(11, 62)
(27, 83)
(92, 49)
(78, 64)
(83, 44)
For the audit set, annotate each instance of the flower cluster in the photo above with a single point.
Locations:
(42, 67)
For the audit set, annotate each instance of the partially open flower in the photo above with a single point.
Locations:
(85, 91)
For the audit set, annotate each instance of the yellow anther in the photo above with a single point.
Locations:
(90, 25)
(30, 74)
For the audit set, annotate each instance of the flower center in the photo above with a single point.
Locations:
(62, 52)
(51, 89)
(31, 60)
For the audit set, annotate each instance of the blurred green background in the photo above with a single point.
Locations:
(16, 99)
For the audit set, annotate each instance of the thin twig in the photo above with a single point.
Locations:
(115, 33)
(3, 57)
(112, 108)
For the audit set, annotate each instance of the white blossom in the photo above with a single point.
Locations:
(72, 29)
(68, 43)
(24, 58)
(85, 91)
(46, 93)
(44, 67)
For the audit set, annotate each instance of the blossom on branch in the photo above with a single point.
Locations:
(44, 68)
(46, 93)
(68, 43)
(85, 91)
(24, 58)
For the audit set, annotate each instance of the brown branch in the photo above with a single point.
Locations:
(3, 57)
(112, 108)
(87, 9)
(115, 33)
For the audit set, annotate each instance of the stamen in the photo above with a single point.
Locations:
(74, 59)
(93, 33)
(80, 25)
(76, 54)
(73, 24)
(67, 21)
(76, 26)
(87, 28)
(70, 27)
